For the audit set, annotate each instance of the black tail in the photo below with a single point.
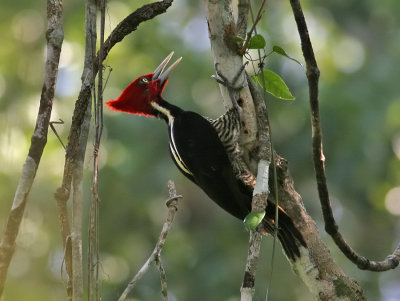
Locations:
(288, 235)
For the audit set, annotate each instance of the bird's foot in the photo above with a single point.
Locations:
(230, 85)
(223, 80)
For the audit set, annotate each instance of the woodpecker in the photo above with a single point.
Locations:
(202, 150)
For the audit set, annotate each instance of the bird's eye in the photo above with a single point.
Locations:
(144, 81)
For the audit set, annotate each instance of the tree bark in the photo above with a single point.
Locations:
(316, 267)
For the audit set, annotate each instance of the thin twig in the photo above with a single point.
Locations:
(60, 121)
(91, 60)
(172, 204)
(255, 22)
(108, 75)
(93, 241)
(131, 22)
(392, 260)
(163, 277)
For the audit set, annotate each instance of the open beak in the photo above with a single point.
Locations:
(159, 72)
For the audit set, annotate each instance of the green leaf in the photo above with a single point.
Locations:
(281, 51)
(257, 42)
(238, 39)
(255, 79)
(275, 85)
(253, 219)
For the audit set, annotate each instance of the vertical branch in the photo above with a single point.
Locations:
(54, 36)
(93, 259)
(266, 153)
(73, 169)
(76, 222)
(90, 60)
(88, 78)
(163, 277)
(247, 289)
(260, 193)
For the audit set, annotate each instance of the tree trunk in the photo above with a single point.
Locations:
(316, 267)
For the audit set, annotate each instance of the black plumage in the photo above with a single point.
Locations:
(205, 151)
(198, 152)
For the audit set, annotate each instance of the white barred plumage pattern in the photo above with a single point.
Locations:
(228, 129)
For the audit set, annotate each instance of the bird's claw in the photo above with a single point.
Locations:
(223, 80)
(230, 85)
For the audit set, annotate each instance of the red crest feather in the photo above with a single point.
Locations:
(136, 98)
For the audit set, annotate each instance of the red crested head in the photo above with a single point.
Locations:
(138, 96)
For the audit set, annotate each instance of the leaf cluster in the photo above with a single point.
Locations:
(270, 81)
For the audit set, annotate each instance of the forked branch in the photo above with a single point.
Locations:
(172, 204)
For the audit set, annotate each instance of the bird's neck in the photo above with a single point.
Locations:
(166, 111)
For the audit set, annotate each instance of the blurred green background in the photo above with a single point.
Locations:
(357, 44)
